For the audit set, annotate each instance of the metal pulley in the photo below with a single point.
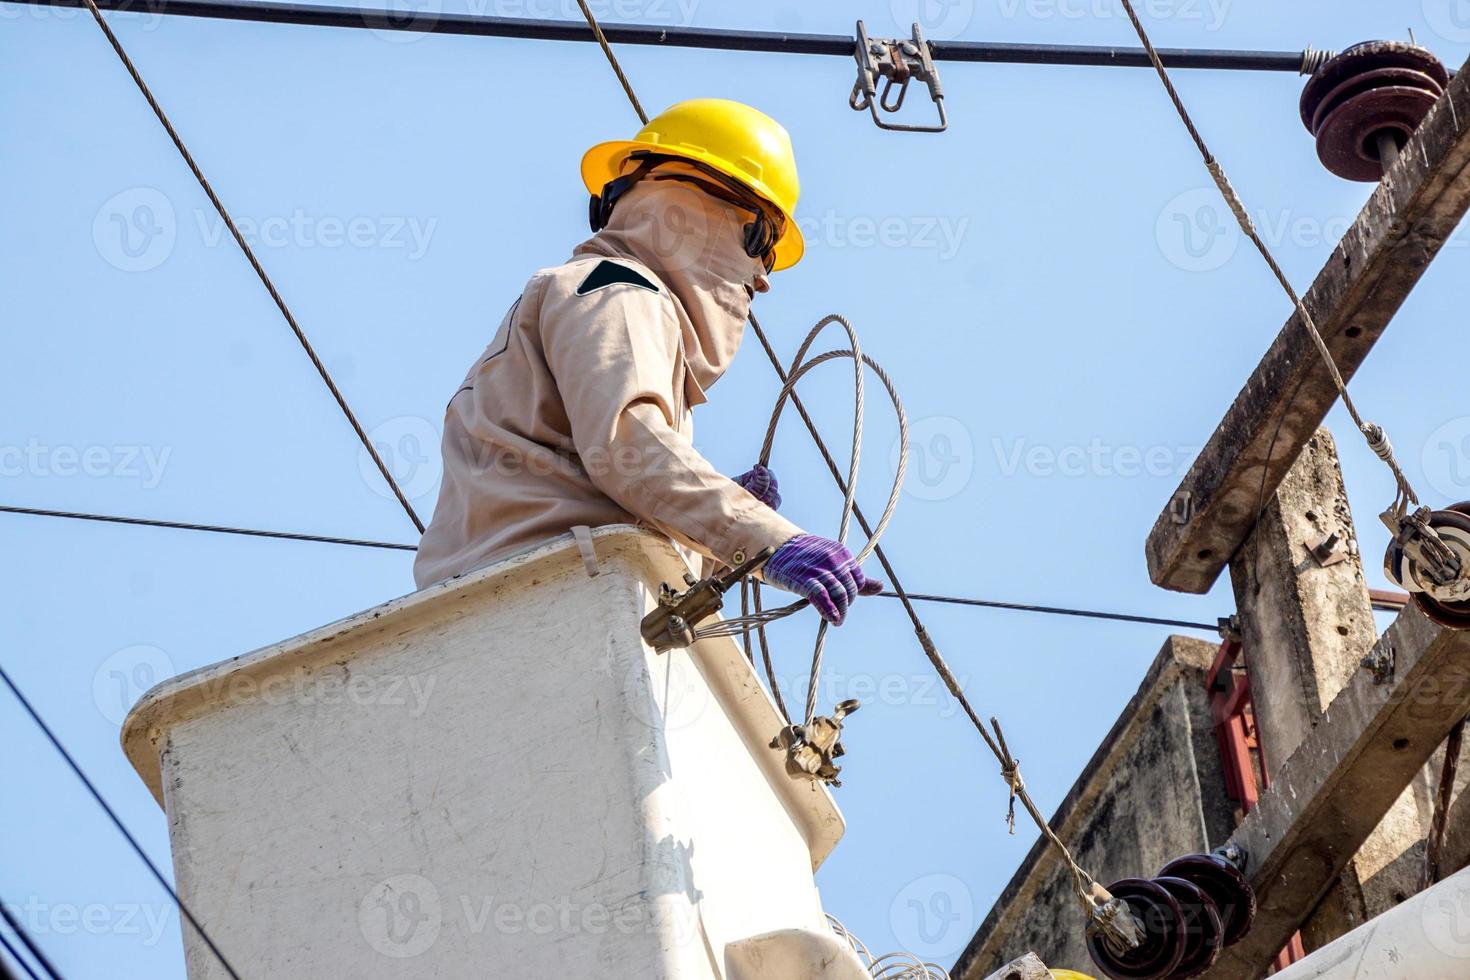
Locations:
(1365, 103)
(1429, 557)
(1196, 906)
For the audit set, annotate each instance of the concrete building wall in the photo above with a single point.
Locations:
(1152, 792)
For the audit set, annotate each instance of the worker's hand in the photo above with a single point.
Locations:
(823, 571)
(761, 483)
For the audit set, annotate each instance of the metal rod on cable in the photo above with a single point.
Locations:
(832, 45)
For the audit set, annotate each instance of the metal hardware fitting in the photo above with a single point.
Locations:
(811, 748)
(1329, 550)
(671, 624)
(897, 61)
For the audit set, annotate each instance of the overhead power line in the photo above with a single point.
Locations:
(249, 252)
(396, 546)
(116, 822)
(30, 944)
(214, 528)
(833, 45)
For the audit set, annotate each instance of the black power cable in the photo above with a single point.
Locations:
(836, 45)
(30, 946)
(214, 528)
(394, 546)
(116, 822)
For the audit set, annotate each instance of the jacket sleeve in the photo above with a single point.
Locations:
(615, 355)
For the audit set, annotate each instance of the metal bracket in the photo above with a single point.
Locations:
(811, 748)
(1328, 551)
(898, 62)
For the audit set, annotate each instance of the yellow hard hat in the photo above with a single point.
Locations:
(733, 138)
(1069, 975)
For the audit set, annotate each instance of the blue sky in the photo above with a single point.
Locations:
(1050, 283)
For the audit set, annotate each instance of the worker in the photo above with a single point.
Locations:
(579, 411)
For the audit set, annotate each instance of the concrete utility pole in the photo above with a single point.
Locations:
(1342, 744)
(1305, 624)
(1370, 275)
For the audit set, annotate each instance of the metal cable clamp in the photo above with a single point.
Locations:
(811, 749)
(671, 625)
(897, 61)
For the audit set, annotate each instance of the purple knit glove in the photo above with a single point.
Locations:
(823, 571)
(761, 483)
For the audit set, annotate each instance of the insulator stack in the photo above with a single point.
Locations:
(1364, 104)
(1195, 907)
